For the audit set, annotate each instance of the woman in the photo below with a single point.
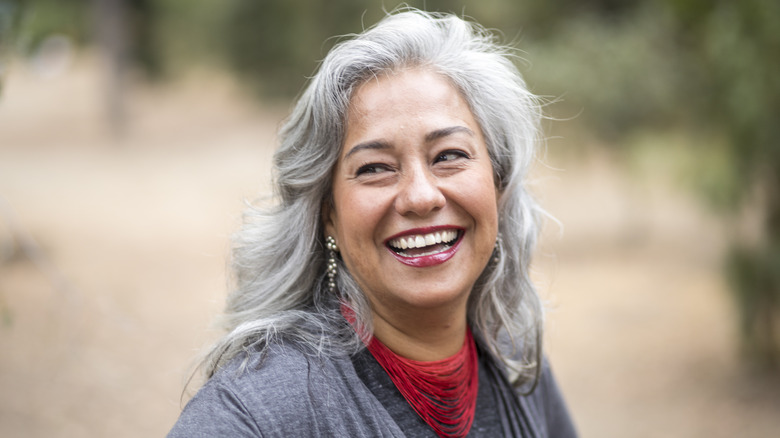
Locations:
(387, 294)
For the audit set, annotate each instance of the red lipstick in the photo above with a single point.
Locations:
(427, 260)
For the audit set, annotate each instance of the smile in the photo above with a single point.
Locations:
(432, 242)
(425, 249)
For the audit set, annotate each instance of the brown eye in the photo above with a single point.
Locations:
(450, 156)
(371, 169)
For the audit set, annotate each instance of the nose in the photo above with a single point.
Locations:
(419, 193)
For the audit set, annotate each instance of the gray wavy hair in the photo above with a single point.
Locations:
(279, 257)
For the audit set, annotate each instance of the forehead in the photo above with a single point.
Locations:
(409, 94)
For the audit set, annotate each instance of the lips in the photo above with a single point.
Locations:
(421, 248)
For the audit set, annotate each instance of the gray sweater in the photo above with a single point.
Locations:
(287, 393)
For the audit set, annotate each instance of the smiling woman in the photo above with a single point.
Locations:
(387, 294)
(427, 171)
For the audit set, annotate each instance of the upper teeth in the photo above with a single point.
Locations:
(421, 240)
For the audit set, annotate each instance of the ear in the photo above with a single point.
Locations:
(499, 193)
(329, 218)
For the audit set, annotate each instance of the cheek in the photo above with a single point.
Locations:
(357, 214)
(490, 194)
(358, 220)
(482, 206)
(483, 199)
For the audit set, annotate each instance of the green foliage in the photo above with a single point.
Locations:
(11, 17)
(733, 48)
(186, 33)
(275, 44)
(614, 75)
(712, 69)
(42, 18)
(9, 13)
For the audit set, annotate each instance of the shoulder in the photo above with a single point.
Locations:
(541, 402)
(547, 406)
(279, 372)
(281, 390)
(262, 391)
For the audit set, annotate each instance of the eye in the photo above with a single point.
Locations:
(450, 155)
(372, 169)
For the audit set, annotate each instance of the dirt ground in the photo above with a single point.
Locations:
(112, 268)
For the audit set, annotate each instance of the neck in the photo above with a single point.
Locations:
(423, 335)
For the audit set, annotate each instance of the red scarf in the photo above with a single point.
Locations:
(442, 392)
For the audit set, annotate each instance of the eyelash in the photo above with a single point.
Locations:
(370, 168)
(457, 153)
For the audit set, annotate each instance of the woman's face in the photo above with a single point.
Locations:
(414, 203)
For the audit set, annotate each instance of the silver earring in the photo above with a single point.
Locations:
(497, 249)
(332, 268)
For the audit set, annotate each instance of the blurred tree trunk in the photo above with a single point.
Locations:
(9, 12)
(112, 32)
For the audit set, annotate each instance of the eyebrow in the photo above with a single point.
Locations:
(439, 133)
(431, 136)
(371, 145)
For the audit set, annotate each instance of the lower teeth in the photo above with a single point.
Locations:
(444, 247)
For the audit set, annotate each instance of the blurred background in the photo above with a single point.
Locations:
(133, 131)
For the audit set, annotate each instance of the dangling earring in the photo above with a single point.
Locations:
(332, 268)
(497, 249)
